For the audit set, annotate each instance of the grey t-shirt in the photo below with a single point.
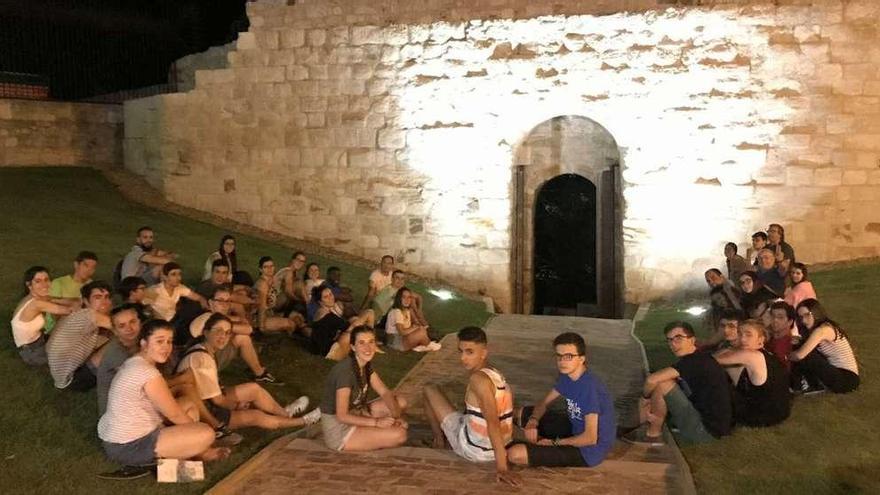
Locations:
(343, 376)
(113, 357)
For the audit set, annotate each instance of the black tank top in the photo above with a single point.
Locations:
(767, 404)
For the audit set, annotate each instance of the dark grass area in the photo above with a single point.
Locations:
(48, 441)
(830, 444)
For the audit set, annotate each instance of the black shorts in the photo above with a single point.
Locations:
(221, 413)
(83, 379)
(553, 424)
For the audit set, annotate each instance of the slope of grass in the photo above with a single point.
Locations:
(830, 442)
(48, 441)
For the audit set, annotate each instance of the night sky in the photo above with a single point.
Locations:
(84, 48)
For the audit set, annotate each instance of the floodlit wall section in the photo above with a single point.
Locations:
(372, 129)
(40, 133)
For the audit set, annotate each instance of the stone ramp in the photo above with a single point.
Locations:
(521, 348)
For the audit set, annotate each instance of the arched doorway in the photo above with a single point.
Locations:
(564, 249)
(561, 156)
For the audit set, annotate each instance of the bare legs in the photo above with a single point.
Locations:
(437, 407)
(188, 441)
(265, 412)
(183, 386)
(653, 411)
(367, 438)
(416, 338)
(245, 346)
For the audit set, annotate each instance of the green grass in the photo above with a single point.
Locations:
(830, 444)
(48, 441)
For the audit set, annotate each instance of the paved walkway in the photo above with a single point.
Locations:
(520, 347)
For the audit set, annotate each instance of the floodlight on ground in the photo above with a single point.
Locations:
(442, 294)
(695, 310)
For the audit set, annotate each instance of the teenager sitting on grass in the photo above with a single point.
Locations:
(723, 296)
(330, 329)
(224, 254)
(28, 320)
(270, 317)
(404, 334)
(761, 395)
(726, 333)
(123, 345)
(240, 344)
(288, 282)
(165, 296)
(782, 318)
(826, 359)
(133, 290)
(139, 403)
(311, 279)
(736, 264)
(77, 345)
(801, 288)
(351, 423)
(756, 298)
(693, 394)
(583, 435)
(484, 430)
(68, 286)
(240, 303)
(238, 406)
(145, 260)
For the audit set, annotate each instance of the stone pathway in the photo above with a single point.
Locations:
(520, 347)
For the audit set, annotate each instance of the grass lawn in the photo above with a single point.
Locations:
(48, 440)
(830, 444)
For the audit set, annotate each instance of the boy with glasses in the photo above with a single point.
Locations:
(695, 393)
(583, 435)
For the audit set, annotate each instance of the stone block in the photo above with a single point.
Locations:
(366, 35)
(391, 139)
(798, 176)
(827, 177)
(316, 37)
(293, 38)
(246, 41)
(855, 177)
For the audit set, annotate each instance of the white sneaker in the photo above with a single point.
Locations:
(434, 346)
(312, 417)
(298, 406)
(421, 348)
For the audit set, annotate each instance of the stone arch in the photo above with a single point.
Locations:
(569, 144)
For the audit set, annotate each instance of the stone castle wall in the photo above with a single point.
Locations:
(378, 127)
(60, 133)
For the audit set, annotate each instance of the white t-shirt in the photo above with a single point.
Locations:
(205, 370)
(380, 280)
(164, 304)
(130, 413)
(396, 316)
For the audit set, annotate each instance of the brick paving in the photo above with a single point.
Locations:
(520, 348)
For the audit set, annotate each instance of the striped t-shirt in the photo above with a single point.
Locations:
(75, 339)
(130, 413)
(839, 354)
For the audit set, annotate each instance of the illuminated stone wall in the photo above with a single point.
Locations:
(372, 129)
(41, 133)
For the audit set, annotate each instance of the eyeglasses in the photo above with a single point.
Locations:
(676, 338)
(566, 357)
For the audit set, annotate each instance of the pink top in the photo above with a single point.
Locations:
(804, 290)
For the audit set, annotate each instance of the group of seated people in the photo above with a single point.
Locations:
(771, 339)
(155, 358)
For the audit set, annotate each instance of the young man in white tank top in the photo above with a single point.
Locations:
(484, 431)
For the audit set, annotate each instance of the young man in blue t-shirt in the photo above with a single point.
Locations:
(585, 433)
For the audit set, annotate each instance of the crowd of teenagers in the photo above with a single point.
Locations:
(155, 359)
(771, 339)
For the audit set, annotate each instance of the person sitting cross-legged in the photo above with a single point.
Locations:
(76, 346)
(243, 405)
(165, 296)
(484, 431)
(583, 435)
(349, 421)
(139, 404)
(694, 394)
(826, 359)
(761, 395)
(240, 344)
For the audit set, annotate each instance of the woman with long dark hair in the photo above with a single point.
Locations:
(269, 313)
(826, 358)
(28, 320)
(348, 421)
(756, 298)
(225, 252)
(801, 288)
(330, 327)
(403, 332)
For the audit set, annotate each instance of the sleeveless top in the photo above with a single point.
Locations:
(26, 332)
(839, 354)
(767, 404)
(476, 431)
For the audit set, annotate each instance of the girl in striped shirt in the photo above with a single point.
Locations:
(826, 359)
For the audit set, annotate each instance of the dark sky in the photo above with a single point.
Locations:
(90, 47)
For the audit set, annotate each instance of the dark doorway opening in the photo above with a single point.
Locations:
(564, 252)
